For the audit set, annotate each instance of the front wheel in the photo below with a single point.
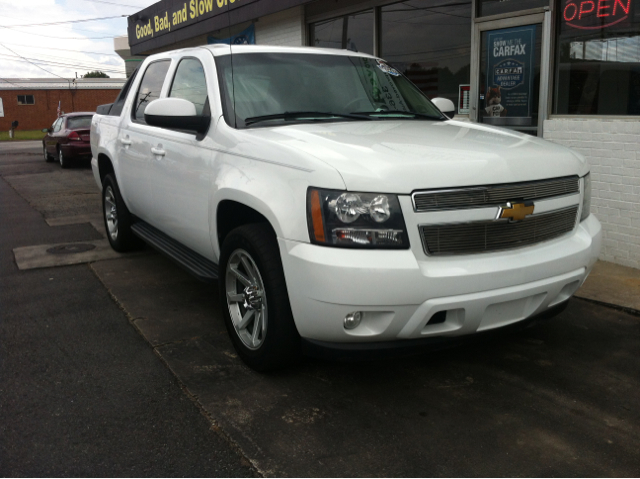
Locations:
(117, 218)
(254, 298)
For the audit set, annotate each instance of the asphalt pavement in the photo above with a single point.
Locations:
(81, 392)
(122, 366)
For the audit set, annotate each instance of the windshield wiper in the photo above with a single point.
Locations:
(400, 114)
(307, 115)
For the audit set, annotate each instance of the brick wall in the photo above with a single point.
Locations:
(284, 28)
(612, 148)
(43, 113)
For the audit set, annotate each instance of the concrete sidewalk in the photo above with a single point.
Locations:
(614, 285)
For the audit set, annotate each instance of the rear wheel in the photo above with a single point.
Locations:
(117, 218)
(254, 298)
(64, 162)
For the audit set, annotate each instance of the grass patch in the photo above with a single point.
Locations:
(22, 135)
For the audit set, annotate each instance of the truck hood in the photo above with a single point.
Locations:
(400, 156)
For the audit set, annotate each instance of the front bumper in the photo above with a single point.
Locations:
(399, 291)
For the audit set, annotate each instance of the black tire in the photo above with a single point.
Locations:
(64, 161)
(47, 157)
(121, 238)
(280, 342)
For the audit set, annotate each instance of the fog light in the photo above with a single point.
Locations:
(352, 320)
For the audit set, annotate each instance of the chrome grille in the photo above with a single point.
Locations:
(485, 236)
(493, 195)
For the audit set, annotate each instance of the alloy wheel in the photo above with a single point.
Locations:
(111, 212)
(246, 299)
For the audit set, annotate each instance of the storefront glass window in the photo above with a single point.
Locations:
(430, 42)
(598, 58)
(495, 7)
(352, 32)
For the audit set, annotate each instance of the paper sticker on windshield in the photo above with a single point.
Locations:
(387, 69)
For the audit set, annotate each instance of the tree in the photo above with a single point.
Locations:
(96, 74)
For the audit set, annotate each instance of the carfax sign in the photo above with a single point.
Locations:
(510, 56)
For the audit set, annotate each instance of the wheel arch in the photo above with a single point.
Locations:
(231, 213)
(105, 166)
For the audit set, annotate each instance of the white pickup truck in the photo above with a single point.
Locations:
(335, 206)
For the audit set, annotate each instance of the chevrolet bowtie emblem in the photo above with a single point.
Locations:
(515, 211)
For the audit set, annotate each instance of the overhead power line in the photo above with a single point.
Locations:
(65, 38)
(63, 65)
(64, 22)
(113, 3)
(10, 82)
(62, 49)
(51, 73)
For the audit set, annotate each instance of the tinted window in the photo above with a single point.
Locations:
(189, 83)
(117, 106)
(351, 32)
(430, 42)
(598, 58)
(495, 7)
(150, 87)
(78, 122)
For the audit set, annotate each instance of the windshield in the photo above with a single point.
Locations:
(267, 89)
(78, 122)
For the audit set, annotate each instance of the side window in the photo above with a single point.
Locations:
(189, 84)
(150, 87)
(57, 125)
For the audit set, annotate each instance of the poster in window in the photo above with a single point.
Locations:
(510, 56)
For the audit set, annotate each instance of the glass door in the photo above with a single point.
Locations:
(511, 58)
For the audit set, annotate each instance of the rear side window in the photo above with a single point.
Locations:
(57, 125)
(150, 87)
(189, 84)
(117, 106)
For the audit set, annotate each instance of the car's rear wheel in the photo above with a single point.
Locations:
(117, 218)
(254, 298)
(64, 162)
(47, 156)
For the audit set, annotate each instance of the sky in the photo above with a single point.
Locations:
(65, 49)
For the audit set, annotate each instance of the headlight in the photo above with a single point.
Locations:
(586, 197)
(357, 220)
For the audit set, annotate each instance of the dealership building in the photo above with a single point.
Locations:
(564, 70)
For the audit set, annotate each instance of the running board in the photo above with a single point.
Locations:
(199, 266)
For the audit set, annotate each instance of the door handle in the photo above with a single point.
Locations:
(157, 151)
(125, 141)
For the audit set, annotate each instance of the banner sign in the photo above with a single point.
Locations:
(170, 15)
(245, 37)
(510, 56)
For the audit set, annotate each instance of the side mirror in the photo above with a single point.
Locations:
(175, 114)
(445, 105)
(46, 130)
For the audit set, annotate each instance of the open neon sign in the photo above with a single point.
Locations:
(595, 14)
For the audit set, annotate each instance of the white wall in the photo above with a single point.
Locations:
(612, 148)
(284, 28)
